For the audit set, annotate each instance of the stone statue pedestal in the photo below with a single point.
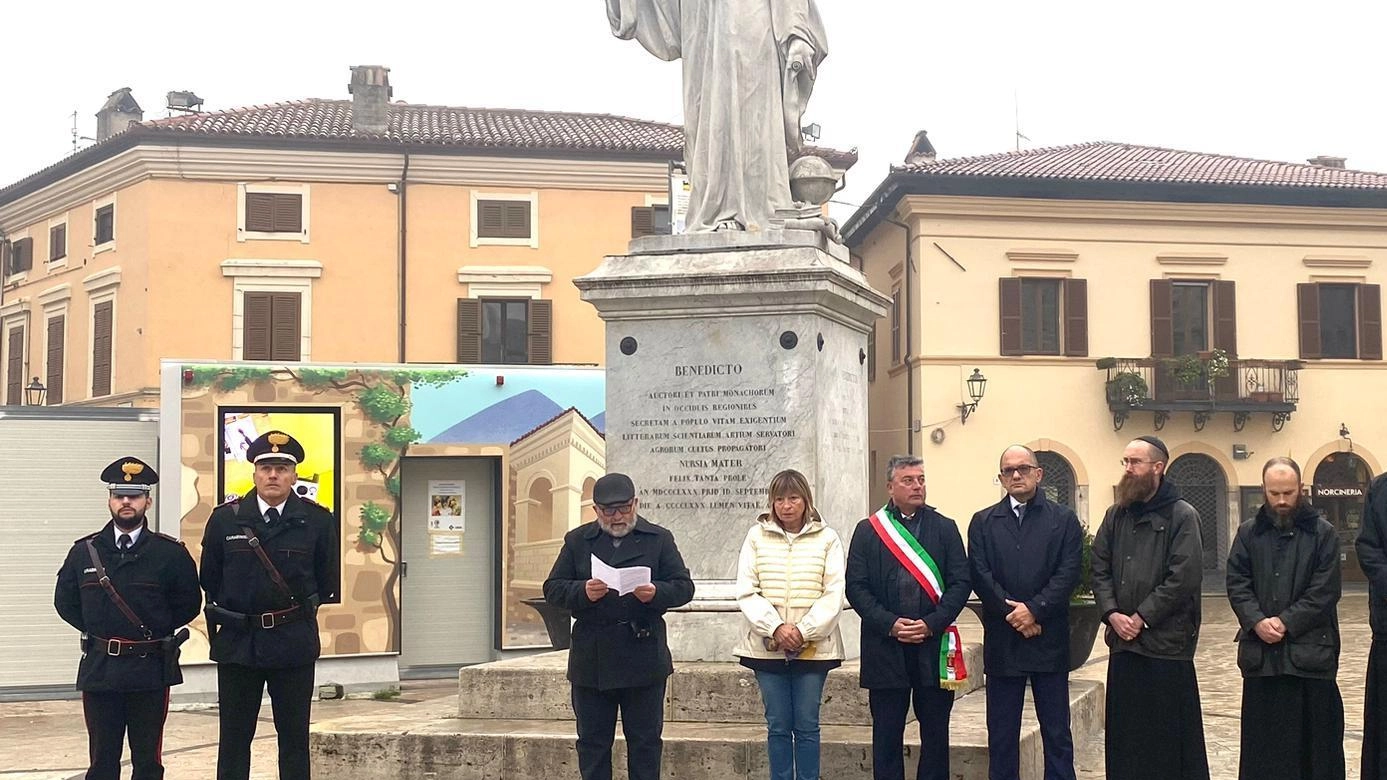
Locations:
(732, 356)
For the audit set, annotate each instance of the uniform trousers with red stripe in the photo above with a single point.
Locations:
(110, 717)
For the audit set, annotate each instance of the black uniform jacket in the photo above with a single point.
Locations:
(1035, 561)
(303, 546)
(157, 579)
(608, 649)
(873, 589)
(1372, 554)
(1293, 575)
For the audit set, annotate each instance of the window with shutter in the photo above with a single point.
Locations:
(469, 330)
(105, 227)
(872, 353)
(274, 212)
(1040, 316)
(1162, 328)
(1308, 311)
(1342, 321)
(1076, 317)
(650, 221)
(895, 326)
(271, 326)
(22, 256)
(14, 366)
(1370, 321)
(57, 242)
(102, 317)
(1043, 316)
(503, 219)
(541, 327)
(505, 330)
(55, 360)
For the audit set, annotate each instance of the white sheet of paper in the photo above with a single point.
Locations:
(622, 580)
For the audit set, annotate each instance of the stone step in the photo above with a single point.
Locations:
(419, 743)
(536, 688)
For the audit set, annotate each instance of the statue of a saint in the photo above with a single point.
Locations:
(749, 68)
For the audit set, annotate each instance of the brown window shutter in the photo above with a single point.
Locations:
(1370, 321)
(1076, 317)
(1162, 321)
(872, 353)
(490, 218)
(541, 338)
(105, 224)
(642, 221)
(1308, 306)
(22, 258)
(517, 219)
(288, 213)
(6, 252)
(1226, 317)
(102, 317)
(1009, 299)
(55, 360)
(57, 242)
(14, 367)
(286, 333)
(469, 330)
(260, 212)
(255, 326)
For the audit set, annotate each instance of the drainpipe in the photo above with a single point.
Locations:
(402, 252)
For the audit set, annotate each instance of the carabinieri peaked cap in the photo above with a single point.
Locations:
(129, 476)
(275, 445)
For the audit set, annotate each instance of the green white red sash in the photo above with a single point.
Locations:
(907, 549)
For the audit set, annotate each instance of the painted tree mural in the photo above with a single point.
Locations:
(383, 398)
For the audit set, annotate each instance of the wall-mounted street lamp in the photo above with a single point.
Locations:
(977, 385)
(34, 392)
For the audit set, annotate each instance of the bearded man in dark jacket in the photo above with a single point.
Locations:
(1372, 557)
(1283, 584)
(1148, 560)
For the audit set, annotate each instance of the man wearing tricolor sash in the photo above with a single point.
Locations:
(908, 578)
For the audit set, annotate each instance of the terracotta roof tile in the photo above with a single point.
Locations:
(1108, 161)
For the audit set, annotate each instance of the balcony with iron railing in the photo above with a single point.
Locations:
(1204, 384)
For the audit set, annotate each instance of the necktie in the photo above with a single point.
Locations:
(123, 542)
(271, 516)
(1020, 512)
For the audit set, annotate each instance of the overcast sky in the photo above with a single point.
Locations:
(1261, 79)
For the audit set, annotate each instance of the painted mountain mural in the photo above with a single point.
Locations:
(503, 422)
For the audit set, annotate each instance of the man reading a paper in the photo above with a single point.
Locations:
(618, 575)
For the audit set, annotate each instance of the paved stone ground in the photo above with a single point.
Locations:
(1220, 686)
(46, 741)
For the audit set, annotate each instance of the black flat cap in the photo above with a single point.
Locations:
(1158, 444)
(613, 489)
(275, 446)
(129, 477)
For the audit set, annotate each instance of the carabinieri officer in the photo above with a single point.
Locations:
(127, 589)
(268, 560)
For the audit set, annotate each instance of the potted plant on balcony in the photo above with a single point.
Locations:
(1186, 370)
(1127, 387)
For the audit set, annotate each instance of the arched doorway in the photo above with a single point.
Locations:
(1341, 481)
(1058, 483)
(1202, 484)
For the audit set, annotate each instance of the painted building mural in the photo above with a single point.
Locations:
(358, 424)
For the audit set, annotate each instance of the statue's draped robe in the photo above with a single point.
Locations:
(734, 110)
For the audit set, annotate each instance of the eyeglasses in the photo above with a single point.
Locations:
(612, 510)
(1133, 462)
(1024, 471)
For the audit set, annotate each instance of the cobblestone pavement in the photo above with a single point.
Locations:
(1220, 686)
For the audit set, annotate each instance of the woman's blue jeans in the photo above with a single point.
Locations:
(792, 722)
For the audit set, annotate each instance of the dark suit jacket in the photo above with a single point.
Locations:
(1036, 562)
(606, 652)
(303, 545)
(873, 589)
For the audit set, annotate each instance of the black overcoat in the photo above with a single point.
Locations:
(607, 650)
(157, 579)
(873, 589)
(303, 545)
(1035, 561)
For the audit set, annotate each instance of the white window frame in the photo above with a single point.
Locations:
(18, 235)
(302, 190)
(101, 287)
(109, 200)
(532, 197)
(67, 241)
(13, 315)
(286, 276)
(55, 304)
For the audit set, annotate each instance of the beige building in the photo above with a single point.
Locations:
(1105, 291)
(354, 230)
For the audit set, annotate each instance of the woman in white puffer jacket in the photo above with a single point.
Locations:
(790, 589)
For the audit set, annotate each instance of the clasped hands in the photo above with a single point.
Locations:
(1128, 627)
(787, 638)
(1270, 630)
(910, 632)
(1021, 619)
(596, 589)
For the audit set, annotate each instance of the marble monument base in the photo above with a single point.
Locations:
(730, 357)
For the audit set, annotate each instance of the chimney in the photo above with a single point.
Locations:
(1325, 161)
(371, 92)
(921, 150)
(117, 114)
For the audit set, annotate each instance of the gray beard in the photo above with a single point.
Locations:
(607, 528)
